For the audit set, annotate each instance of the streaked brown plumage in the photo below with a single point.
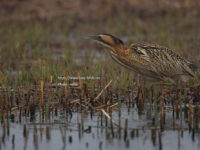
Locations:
(153, 62)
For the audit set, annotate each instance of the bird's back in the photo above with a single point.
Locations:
(162, 61)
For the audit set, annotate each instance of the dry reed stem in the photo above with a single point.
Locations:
(51, 79)
(107, 115)
(96, 98)
(190, 107)
(176, 105)
(66, 93)
(79, 80)
(162, 111)
(42, 93)
(78, 101)
(17, 107)
(75, 101)
(108, 106)
(113, 105)
(81, 104)
(101, 106)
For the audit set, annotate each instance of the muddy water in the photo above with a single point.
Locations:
(88, 131)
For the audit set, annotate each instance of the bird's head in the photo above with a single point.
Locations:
(107, 40)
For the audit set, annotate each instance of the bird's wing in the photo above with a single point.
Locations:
(164, 61)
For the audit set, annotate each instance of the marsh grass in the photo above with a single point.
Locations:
(31, 51)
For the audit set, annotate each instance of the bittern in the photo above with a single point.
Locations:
(152, 62)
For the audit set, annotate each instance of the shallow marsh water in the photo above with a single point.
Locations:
(135, 129)
(42, 47)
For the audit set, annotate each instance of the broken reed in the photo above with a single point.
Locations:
(42, 94)
(100, 101)
(192, 114)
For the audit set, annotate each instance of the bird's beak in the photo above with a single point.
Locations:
(95, 38)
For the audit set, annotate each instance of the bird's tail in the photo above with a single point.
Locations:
(193, 67)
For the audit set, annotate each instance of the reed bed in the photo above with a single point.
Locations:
(49, 70)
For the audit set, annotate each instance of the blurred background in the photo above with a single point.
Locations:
(46, 38)
(43, 40)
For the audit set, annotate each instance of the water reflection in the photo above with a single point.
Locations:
(88, 132)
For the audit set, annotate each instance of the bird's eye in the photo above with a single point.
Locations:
(99, 37)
